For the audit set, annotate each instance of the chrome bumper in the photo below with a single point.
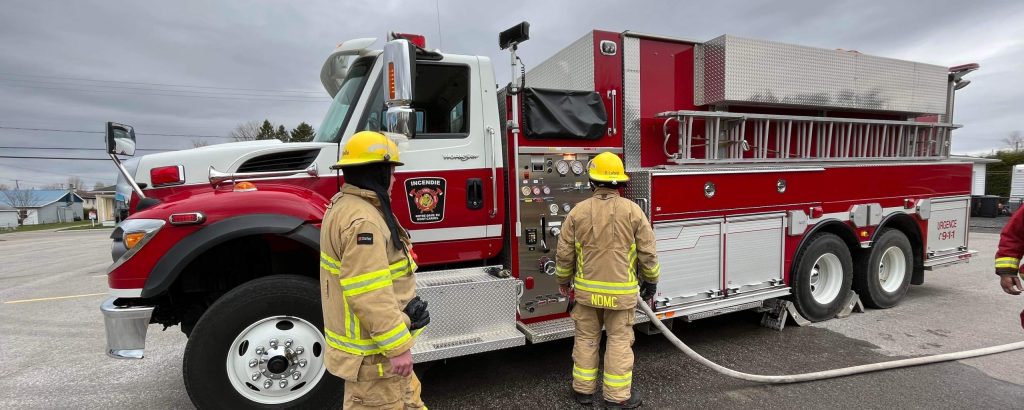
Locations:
(126, 329)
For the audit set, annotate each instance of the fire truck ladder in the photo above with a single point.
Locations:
(779, 138)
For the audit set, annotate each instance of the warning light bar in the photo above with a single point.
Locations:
(418, 39)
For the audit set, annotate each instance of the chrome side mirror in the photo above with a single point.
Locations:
(400, 69)
(120, 139)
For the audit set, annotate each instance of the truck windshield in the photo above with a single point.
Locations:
(344, 101)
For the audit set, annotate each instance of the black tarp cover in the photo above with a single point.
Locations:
(563, 114)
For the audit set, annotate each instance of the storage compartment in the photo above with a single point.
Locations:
(690, 254)
(947, 226)
(753, 252)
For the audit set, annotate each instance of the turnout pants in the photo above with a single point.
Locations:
(617, 377)
(377, 388)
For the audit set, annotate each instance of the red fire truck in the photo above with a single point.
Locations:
(775, 175)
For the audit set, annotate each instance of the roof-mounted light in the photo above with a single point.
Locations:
(417, 39)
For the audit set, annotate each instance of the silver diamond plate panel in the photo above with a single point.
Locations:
(631, 103)
(739, 70)
(639, 189)
(572, 68)
(470, 312)
(560, 328)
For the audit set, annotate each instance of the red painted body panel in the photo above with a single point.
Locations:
(666, 84)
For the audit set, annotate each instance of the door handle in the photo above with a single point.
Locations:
(474, 193)
(612, 95)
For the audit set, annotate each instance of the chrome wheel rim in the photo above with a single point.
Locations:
(276, 360)
(826, 278)
(892, 269)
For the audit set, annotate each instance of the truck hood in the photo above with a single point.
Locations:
(230, 156)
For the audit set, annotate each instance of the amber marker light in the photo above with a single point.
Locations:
(245, 186)
(133, 238)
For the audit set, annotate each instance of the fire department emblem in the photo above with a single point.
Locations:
(426, 199)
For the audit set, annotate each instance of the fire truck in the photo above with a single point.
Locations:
(776, 176)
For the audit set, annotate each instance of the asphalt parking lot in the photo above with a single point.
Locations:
(52, 337)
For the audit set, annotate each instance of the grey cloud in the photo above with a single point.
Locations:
(281, 45)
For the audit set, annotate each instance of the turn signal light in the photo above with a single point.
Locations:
(133, 238)
(163, 176)
(391, 81)
(245, 186)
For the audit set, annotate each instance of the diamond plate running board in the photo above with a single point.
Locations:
(561, 328)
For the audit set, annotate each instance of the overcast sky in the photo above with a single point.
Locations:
(251, 60)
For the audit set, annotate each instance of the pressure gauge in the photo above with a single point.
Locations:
(525, 190)
(553, 208)
(563, 167)
(566, 207)
(547, 190)
(577, 167)
(536, 190)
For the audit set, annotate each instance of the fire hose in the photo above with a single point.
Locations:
(826, 374)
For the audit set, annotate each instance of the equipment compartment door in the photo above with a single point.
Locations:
(753, 252)
(947, 226)
(690, 254)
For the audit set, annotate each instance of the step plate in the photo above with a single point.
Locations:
(462, 345)
(554, 329)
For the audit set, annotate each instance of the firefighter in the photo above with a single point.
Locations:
(1009, 253)
(371, 312)
(603, 240)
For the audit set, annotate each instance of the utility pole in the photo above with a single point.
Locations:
(16, 187)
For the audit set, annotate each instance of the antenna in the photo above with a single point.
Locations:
(437, 12)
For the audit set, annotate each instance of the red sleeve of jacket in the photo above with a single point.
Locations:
(1011, 244)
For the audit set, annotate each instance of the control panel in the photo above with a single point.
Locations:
(550, 185)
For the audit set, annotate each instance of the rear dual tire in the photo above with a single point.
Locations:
(821, 277)
(883, 275)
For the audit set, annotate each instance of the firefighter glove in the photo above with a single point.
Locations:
(417, 312)
(647, 290)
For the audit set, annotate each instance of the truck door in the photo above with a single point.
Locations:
(443, 193)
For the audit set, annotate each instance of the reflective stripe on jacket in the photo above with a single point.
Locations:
(365, 283)
(603, 241)
(1011, 245)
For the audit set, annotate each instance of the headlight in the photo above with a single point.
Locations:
(134, 234)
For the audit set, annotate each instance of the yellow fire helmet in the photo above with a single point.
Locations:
(368, 147)
(607, 167)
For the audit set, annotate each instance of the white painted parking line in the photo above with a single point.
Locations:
(53, 298)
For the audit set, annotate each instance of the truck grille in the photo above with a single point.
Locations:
(280, 161)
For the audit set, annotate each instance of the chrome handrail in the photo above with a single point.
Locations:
(218, 177)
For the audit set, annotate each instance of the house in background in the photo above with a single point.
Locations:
(102, 201)
(44, 206)
(8, 217)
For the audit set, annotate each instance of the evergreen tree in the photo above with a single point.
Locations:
(303, 133)
(281, 133)
(266, 131)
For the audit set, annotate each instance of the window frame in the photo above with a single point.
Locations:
(467, 104)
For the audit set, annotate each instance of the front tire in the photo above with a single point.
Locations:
(266, 330)
(821, 277)
(883, 275)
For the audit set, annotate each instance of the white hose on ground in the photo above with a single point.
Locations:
(826, 374)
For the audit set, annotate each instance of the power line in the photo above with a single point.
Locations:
(63, 158)
(162, 84)
(92, 149)
(58, 83)
(101, 132)
(169, 95)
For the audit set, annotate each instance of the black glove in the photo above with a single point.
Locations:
(647, 290)
(417, 312)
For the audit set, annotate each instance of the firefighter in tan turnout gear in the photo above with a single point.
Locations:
(371, 312)
(606, 252)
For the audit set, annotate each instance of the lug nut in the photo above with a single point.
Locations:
(260, 350)
(255, 376)
(253, 362)
(267, 384)
(273, 343)
(302, 363)
(288, 342)
(296, 375)
(299, 350)
(283, 384)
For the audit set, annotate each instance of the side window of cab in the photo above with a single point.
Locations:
(441, 104)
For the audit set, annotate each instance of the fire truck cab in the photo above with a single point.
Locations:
(777, 177)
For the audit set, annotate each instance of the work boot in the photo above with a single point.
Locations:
(583, 398)
(632, 403)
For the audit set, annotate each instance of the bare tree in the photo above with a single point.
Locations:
(21, 201)
(1014, 140)
(248, 131)
(196, 143)
(98, 185)
(75, 183)
(4, 187)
